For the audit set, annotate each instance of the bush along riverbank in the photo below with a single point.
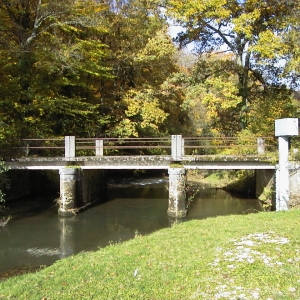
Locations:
(254, 256)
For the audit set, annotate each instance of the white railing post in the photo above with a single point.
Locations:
(69, 146)
(176, 147)
(260, 146)
(26, 150)
(99, 147)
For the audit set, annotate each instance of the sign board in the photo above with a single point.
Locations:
(286, 127)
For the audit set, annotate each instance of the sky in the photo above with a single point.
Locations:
(174, 30)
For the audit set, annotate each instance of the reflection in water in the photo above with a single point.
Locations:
(66, 238)
(214, 202)
(42, 237)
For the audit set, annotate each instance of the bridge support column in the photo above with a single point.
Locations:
(68, 191)
(282, 175)
(177, 194)
(284, 129)
(79, 189)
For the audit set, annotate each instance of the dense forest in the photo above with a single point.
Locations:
(94, 68)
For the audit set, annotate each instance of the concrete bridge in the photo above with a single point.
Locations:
(82, 177)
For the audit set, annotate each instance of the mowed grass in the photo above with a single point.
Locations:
(253, 256)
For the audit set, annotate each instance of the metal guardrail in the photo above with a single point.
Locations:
(215, 145)
(175, 145)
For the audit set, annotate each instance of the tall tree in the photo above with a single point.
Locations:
(50, 54)
(252, 31)
(145, 106)
(141, 59)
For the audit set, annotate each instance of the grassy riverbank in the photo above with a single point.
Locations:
(239, 181)
(234, 257)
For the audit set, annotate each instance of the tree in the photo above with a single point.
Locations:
(50, 57)
(144, 105)
(142, 59)
(292, 46)
(252, 31)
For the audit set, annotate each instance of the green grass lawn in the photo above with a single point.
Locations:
(253, 256)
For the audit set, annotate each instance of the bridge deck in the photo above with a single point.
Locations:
(144, 162)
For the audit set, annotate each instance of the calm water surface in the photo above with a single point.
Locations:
(40, 236)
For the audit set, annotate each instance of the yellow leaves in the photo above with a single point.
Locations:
(152, 115)
(244, 23)
(158, 47)
(217, 9)
(84, 7)
(126, 128)
(143, 112)
(85, 56)
(31, 120)
(269, 45)
(221, 98)
(222, 93)
(193, 96)
(183, 10)
(41, 111)
(264, 111)
(133, 108)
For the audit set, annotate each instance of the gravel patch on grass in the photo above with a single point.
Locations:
(250, 249)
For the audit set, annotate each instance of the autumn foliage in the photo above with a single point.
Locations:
(110, 68)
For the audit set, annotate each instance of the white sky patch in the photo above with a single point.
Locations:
(174, 30)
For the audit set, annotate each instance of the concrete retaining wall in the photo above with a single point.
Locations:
(294, 184)
(265, 185)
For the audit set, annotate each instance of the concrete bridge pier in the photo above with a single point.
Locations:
(177, 194)
(68, 191)
(79, 189)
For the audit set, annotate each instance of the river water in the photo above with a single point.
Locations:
(38, 236)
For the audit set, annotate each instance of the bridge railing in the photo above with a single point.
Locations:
(175, 145)
(122, 146)
(228, 145)
(33, 147)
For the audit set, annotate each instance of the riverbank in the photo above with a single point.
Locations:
(235, 181)
(254, 256)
